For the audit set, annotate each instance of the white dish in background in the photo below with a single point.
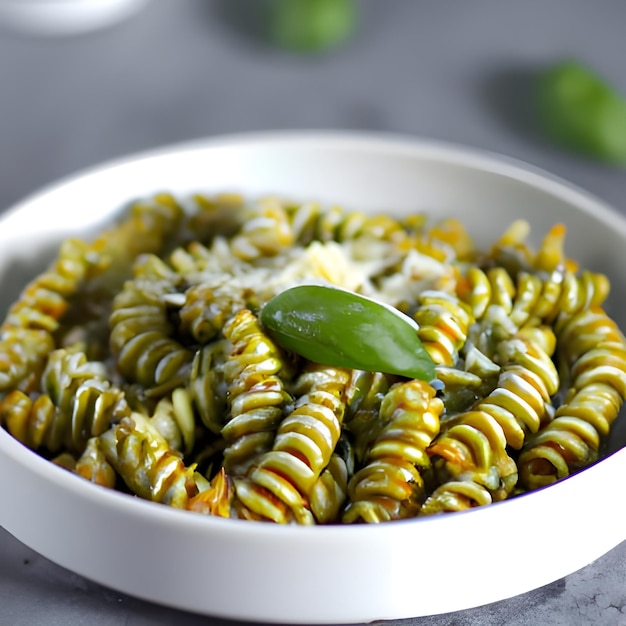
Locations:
(65, 17)
(325, 574)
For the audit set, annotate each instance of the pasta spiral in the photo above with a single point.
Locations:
(474, 443)
(521, 400)
(265, 232)
(174, 418)
(205, 312)
(93, 465)
(364, 395)
(78, 403)
(26, 333)
(330, 491)
(390, 485)
(139, 362)
(217, 499)
(148, 466)
(311, 222)
(279, 484)
(547, 279)
(151, 226)
(456, 495)
(141, 339)
(444, 322)
(594, 355)
(256, 394)
(474, 450)
(45, 300)
(480, 289)
(562, 293)
(23, 353)
(207, 384)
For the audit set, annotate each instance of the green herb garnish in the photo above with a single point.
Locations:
(582, 112)
(311, 25)
(336, 327)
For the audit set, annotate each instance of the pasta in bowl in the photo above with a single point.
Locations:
(141, 360)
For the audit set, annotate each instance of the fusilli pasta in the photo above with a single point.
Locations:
(139, 362)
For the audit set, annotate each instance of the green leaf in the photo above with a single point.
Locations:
(336, 327)
(581, 111)
(311, 25)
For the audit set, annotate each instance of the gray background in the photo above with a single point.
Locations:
(182, 69)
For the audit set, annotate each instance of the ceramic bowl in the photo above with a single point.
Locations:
(64, 17)
(326, 574)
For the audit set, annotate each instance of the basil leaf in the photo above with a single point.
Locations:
(336, 327)
(311, 25)
(583, 112)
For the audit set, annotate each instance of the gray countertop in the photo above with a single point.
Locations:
(183, 69)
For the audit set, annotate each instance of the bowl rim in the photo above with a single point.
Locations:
(444, 151)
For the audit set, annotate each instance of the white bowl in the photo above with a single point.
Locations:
(65, 17)
(325, 574)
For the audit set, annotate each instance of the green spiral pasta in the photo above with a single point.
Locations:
(444, 323)
(330, 491)
(492, 304)
(219, 215)
(218, 499)
(81, 270)
(153, 226)
(474, 450)
(265, 232)
(364, 396)
(93, 466)
(548, 280)
(44, 302)
(139, 362)
(23, 353)
(208, 387)
(279, 483)
(390, 485)
(174, 418)
(447, 241)
(204, 312)
(594, 354)
(521, 400)
(312, 222)
(148, 466)
(26, 333)
(78, 403)
(512, 251)
(256, 394)
(141, 338)
(474, 443)
(563, 293)
(454, 496)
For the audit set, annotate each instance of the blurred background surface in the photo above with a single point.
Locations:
(178, 70)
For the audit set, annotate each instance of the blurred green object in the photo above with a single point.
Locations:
(311, 25)
(581, 111)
